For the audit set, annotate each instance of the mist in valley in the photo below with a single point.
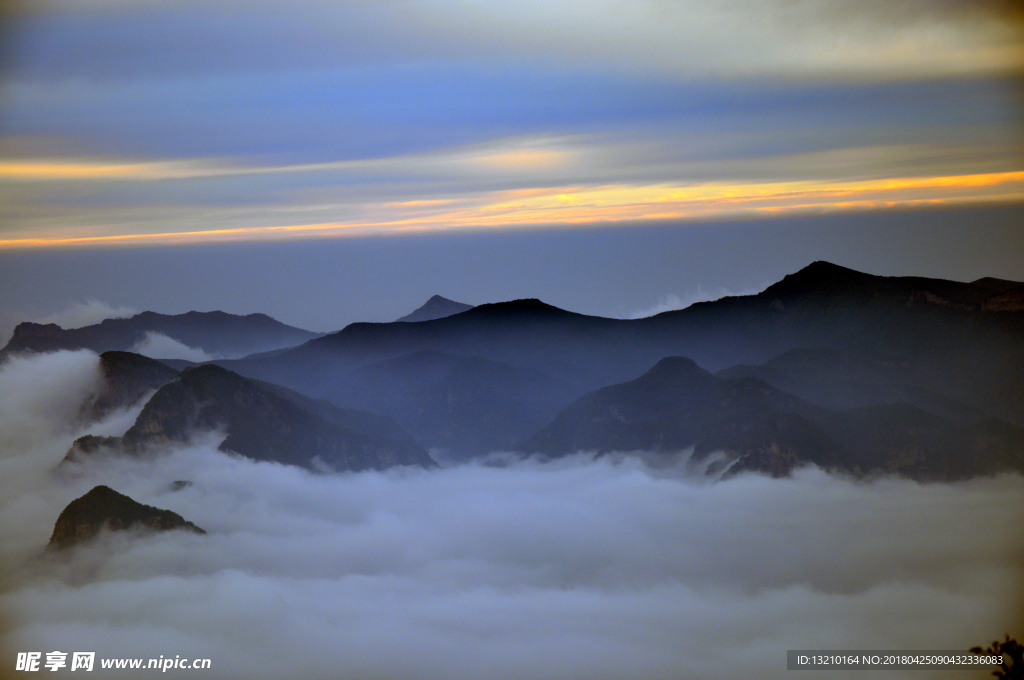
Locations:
(578, 567)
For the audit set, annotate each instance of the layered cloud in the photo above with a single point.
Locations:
(212, 121)
(174, 37)
(570, 569)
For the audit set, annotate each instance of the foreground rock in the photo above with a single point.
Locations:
(103, 508)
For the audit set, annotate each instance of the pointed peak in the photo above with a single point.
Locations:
(816, 276)
(820, 269)
(102, 491)
(677, 367)
(436, 307)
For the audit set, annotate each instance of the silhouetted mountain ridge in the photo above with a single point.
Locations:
(127, 377)
(261, 421)
(677, 404)
(960, 348)
(216, 333)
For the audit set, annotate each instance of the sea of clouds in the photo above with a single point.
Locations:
(575, 568)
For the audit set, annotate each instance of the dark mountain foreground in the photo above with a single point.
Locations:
(436, 307)
(263, 422)
(216, 333)
(464, 405)
(677, 404)
(103, 508)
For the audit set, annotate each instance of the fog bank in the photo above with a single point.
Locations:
(569, 569)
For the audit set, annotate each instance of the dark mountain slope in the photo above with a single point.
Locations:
(266, 422)
(901, 438)
(216, 333)
(676, 405)
(844, 379)
(960, 349)
(127, 377)
(466, 405)
(436, 307)
(103, 508)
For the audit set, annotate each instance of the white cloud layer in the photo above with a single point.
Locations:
(673, 302)
(159, 346)
(570, 569)
(87, 313)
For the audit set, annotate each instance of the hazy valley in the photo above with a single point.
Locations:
(488, 461)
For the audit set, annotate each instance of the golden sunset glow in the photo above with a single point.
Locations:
(591, 205)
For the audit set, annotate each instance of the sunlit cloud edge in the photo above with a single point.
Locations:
(595, 205)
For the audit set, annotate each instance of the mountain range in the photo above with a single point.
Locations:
(677, 405)
(862, 373)
(958, 344)
(258, 420)
(215, 333)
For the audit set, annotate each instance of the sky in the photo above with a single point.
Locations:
(332, 161)
(484, 151)
(170, 121)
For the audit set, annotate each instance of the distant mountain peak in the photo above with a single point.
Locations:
(436, 307)
(817, 276)
(677, 366)
(523, 306)
(820, 270)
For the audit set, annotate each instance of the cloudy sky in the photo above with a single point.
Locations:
(171, 121)
(608, 158)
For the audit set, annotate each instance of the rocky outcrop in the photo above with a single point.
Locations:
(88, 446)
(105, 509)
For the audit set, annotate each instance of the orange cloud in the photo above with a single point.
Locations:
(597, 204)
